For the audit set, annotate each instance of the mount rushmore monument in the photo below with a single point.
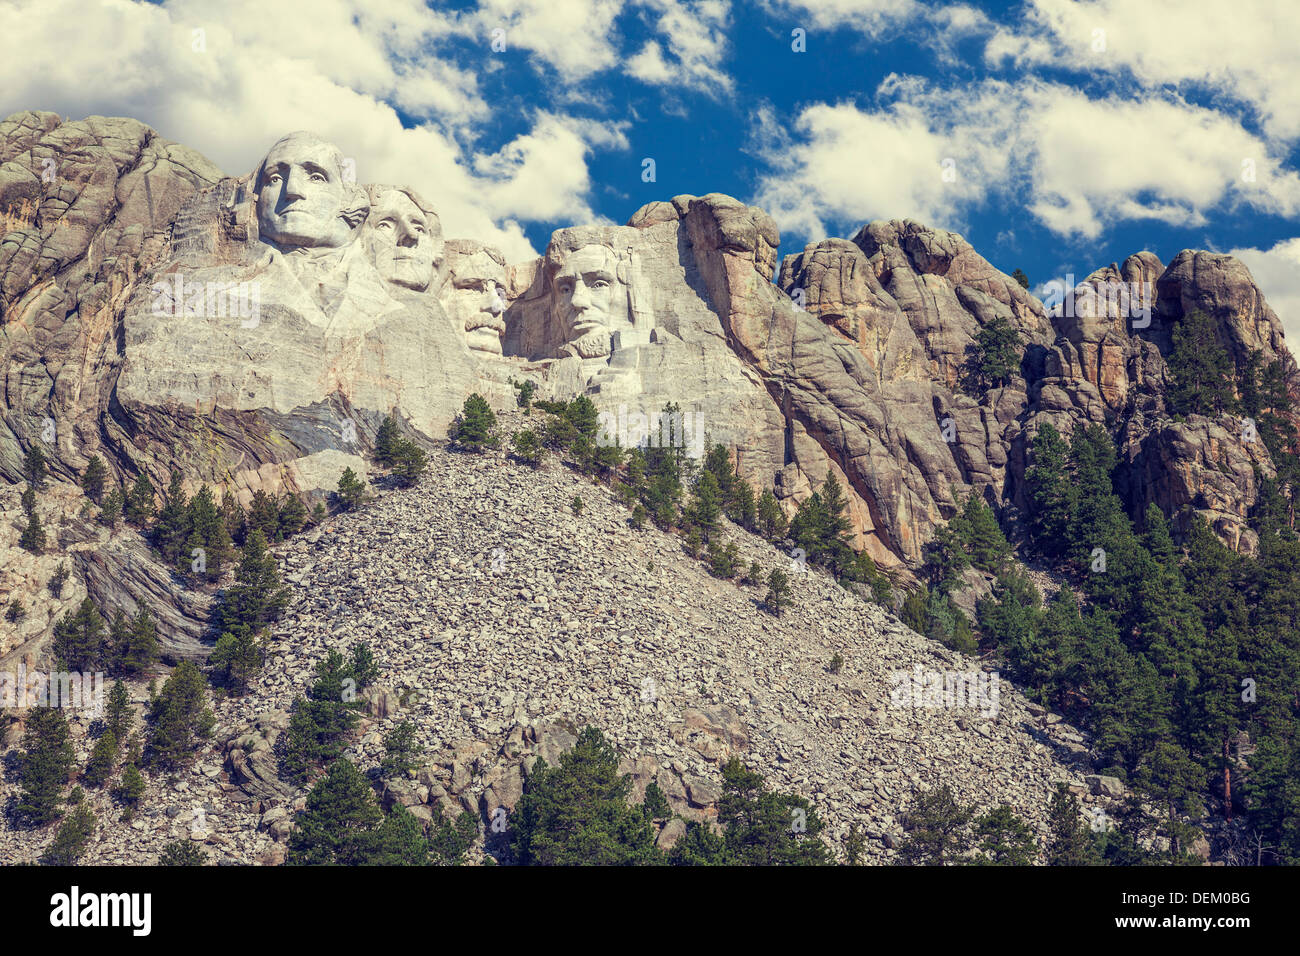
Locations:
(254, 331)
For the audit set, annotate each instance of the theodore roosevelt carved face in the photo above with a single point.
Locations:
(474, 296)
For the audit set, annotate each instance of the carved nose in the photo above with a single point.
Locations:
(294, 185)
(407, 238)
(495, 305)
(581, 298)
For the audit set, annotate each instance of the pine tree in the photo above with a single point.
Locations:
(257, 598)
(179, 717)
(936, 827)
(945, 559)
(92, 480)
(978, 528)
(340, 812)
(111, 510)
(386, 440)
(352, 491)
(72, 838)
(102, 760)
(141, 649)
(1051, 493)
(172, 529)
(398, 841)
(237, 658)
(79, 638)
(1201, 368)
(765, 828)
(292, 515)
(399, 750)
(1071, 843)
(34, 467)
(182, 853)
(119, 714)
(132, 786)
(320, 722)
(33, 537)
(208, 536)
(705, 506)
(527, 447)
(232, 516)
(139, 505)
(409, 462)
(771, 519)
(577, 812)
(995, 356)
(778, 592)
(46, 765)
(264, 516)
(1005, 839)
(475, 428)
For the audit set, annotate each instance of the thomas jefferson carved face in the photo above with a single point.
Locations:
(404, 240)
(303, 200)
(475, 299)
(589, 300)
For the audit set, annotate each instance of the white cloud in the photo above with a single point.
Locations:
(338, 67)
(575, 37)
(1245, 48)
(1277, 273)
(695, 37)
(871, 17)
(1078, 164)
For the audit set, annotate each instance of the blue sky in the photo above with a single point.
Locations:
(1074, 132)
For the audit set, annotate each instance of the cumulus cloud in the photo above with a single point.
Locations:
(692, 40)
(1244, 49)
(1078, 163)
(1277, 273)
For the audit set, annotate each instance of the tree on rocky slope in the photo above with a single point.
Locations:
(475, 428)
(46, 764)
(179, 717)
(577, 812)
(1201, 368)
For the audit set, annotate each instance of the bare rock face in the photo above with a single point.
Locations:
(254, 330)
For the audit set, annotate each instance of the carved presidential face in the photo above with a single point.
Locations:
(475, 299)
(589, 299)
(405, 242)
(302, 195)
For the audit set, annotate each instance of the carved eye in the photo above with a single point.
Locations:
(318, 177)
(272, 179)
(600, 284)
(566, 288)
(384, 224)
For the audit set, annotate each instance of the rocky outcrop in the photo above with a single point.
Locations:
(159, 313)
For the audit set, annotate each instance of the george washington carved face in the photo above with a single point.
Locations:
(303, 199)
(404, 239)
(590, 300)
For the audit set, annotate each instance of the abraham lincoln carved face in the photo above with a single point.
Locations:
(590, 300)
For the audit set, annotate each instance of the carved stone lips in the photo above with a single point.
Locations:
(485, 320)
